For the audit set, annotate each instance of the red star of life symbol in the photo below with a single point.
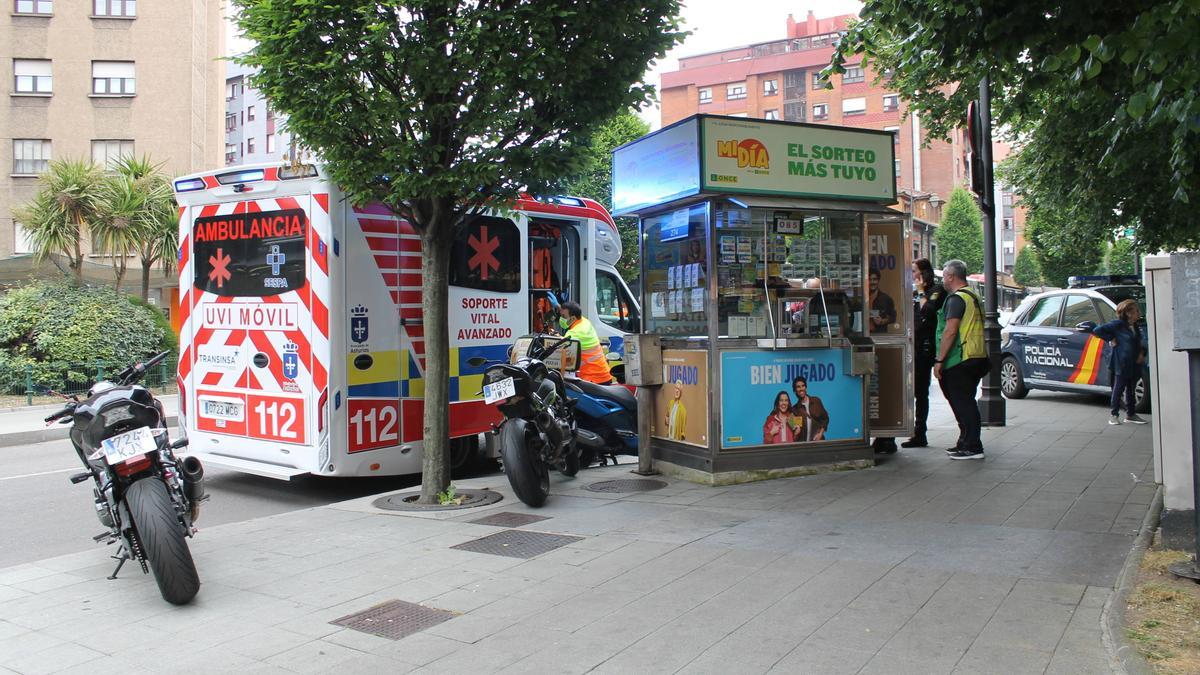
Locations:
(220, 271)
(484, 248)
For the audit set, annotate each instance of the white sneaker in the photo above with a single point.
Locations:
(1114, 420)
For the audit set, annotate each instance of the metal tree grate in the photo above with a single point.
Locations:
(627, 485)
(394, 619)
(509, 519)
(517, 543)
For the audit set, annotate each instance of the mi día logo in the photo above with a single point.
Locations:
(750, 154)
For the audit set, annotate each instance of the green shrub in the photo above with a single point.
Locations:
(61, 332)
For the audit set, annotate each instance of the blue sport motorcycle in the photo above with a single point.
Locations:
(606, 420)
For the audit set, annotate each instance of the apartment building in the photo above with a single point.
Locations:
(781, 80)
(253, 131)
(103, 79)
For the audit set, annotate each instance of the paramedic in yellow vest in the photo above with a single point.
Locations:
(961, 360)
(593, 365)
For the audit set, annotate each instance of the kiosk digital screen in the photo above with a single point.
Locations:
(656, 168)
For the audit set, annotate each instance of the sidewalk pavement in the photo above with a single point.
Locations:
(23, 426)
(920, 565)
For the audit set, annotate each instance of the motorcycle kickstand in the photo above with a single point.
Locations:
(121, 557)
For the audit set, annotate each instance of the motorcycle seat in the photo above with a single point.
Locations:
(613, 392)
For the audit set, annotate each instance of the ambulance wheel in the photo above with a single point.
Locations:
(1141, 395)
(1011, 381)
(527, 474)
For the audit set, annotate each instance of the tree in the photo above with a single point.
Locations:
(1097, 96)
(1120, 258)
(67, 203)
(1062, 248)
(115, 229)
(440, 109)
(157, 222)
(960, 234)
(1026, 270)
(594, 181)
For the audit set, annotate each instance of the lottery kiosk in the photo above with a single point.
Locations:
(776, 279)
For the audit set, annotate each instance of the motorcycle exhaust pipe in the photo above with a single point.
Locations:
(588, 439)
(192, 473)
(552, 429)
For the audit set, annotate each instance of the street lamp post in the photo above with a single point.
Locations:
(991, 401)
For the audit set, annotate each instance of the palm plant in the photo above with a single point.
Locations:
(116, 229)
(68, 202)
(155, 224)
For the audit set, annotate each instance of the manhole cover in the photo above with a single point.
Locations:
(627, 485)
(509, 519)
(407, 501)
(394, 619)
(517, 543)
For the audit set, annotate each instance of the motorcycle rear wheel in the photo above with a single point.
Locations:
(528, 475)
(158, 529)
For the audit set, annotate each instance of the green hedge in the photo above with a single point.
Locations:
(58, 331)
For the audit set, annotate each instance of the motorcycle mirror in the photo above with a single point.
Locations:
(476, 361)
(179, 443)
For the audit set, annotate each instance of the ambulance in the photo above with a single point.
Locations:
(301, 346)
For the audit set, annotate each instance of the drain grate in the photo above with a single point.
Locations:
(517, 543)
(627, 485)
(394, 619)
(509, 519)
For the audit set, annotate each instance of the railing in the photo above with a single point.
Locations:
(41, 383)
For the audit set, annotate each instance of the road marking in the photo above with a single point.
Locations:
(40, 473)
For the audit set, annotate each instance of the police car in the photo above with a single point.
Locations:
(1048, 343)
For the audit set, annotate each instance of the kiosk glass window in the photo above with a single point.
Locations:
(676, 272)
(788, 273)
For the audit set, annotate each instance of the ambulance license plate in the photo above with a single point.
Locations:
(499, 391)
(225, 410)
(129, 444)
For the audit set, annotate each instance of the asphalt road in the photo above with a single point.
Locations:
(43, 515)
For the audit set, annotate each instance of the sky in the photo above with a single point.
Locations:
(715, 25)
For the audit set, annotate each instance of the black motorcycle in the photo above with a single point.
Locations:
(538, 431)
(144, 494)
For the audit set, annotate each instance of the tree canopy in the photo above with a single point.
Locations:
(1061, 251)
(443, 108)
(594, 181)
(1025, 270)
(960, 234)
(1103, 99)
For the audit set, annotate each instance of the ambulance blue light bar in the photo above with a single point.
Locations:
(236, 177)
(189, 185)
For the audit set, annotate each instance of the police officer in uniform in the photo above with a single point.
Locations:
(928, 296)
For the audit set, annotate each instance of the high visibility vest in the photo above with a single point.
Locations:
(593, 365)
(968, 344)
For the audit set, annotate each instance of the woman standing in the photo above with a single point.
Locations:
(928, 296)
(1129, 353)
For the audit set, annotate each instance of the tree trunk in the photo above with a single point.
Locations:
(119, 268)
(77, 263)
(436, 245)
(146, 265)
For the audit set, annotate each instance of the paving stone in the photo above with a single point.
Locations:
(822, 659)
(52, 659)
(983, 659)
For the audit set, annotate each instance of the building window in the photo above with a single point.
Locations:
(770, 87)
(1008, 223)
(771, 114)
(34, 7)
(114, 7)
(249, 113)
(735, 91)
(1006, 198)
(21, 240)
(821, 111)
(231, 122)
(270, 143)
(891, 102)
(705, 95)
(230, 153)
(853, 74)
(897, 168)
(32, 76)
(854, 106)
(249, 146)
(895, 134)
(232, 90)
(112, 78)
(818, 82)
(30, 156)
(107, 153)
(271, 111)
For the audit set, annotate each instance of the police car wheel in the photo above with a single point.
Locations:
(1141, 395)
(1011, 381)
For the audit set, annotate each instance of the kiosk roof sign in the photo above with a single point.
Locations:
(788, 159)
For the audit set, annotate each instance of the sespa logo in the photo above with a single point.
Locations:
(749, 153)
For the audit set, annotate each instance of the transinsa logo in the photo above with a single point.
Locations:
(749, 153)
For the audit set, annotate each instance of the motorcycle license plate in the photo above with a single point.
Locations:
(226, 410)
(129, 444)
(498, 391)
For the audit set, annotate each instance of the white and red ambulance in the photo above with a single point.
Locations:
(301, 347)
